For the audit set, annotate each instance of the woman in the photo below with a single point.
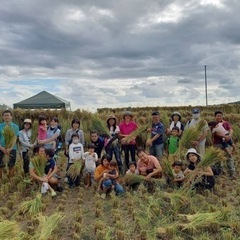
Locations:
(25, 138)
(113, 146)
(176, 118)
(53, 133)
(104, 168)
(75, 128)
(203, 177)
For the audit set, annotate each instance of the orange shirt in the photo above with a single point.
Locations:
(99, 170)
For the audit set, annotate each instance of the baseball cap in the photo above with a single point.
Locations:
(155, 113)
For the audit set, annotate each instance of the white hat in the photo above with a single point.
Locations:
(27, 120)
(194, 151)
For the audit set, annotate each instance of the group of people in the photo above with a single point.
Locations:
(98, 157)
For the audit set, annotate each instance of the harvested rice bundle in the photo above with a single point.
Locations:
(75, 169)
(99, 125)
(32, 207)
(9, 230)
(140, 130)
(39, 163)
(167, 168)
(133, 178)
(9, 136)
(34, 132)
(165, 120)
(47, 225)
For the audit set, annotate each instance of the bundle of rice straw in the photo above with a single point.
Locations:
(165, 120)
(75, 169)
(198, 221)
(140, 130)
(39, 163)
(99, 125)
(31, 207)
(34, 132)
(47, 225)
(191, 134)
(167, 168)
(9, 230)
(9, 136)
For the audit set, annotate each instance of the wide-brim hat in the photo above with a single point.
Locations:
(27, 120)
(178, 114)
(127, 113)
(111, 117)
(194, 151)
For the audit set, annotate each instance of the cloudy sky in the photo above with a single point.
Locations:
(102, 53)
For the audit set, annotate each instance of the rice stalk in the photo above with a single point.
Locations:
(167, 168)
(75, 169)
(39, 163)
(140, 130)
(47, 225)
(31, 207)
(9, 137)
(236, 132)
(165, 119)
(99, 125)
(34, 132)
(9, 230)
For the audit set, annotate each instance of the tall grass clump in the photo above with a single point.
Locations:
(99, 125)
(9, 230)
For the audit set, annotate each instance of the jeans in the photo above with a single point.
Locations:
(114, 149)
(230, 162)
(117, 187)
(157, 150)
(132, 149)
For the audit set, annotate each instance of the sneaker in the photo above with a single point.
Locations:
(103, 196)
(53, 194)
(66, 179)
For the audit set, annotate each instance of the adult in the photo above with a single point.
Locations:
(176, 122)
(200, 142)
(148, 165)
(53, 133)
(75, 128)
(126, 128)
(204, 178)
(217, 141)
(112, 147)
(9, 151)
(98, 143)
(104, 168)
(51, 179)
(25, 140)
(156, 141)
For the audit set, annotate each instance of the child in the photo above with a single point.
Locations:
(178, 173)
(204, 177)
(76, 152)
(109, 180)
(219, 129)
(90, 158)
(50, 165)
(133, 170)
(42, 127)
(172, 143)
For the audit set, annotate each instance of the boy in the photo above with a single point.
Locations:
(133, 170)
(109, 179)
(172, 143)
(90, 158)
(178, 173)
(219, 129)
(75, 154)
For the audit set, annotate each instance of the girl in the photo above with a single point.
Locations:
(112, 146)
(204, 177)
(42, 127)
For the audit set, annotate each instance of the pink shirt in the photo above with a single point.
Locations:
(42, 133)
(127, 128)
(227, 126)
(152, 163)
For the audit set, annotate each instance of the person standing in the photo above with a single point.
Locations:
(200, 142)
(156, 141)
(25, 140)
(126, 128)
(217, 141)
(10, 152)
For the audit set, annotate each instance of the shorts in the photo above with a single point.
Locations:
(12, 159)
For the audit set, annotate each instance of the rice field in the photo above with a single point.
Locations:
(79, 213)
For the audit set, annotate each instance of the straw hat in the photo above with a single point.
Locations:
(178, 114)
(27, 120)
(127, 113)
(111, 117)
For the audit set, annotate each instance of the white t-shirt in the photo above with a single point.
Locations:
(90, 161)
(75, 151)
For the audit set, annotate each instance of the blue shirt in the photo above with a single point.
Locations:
(49, 165)
(157, 128)
(15, 129)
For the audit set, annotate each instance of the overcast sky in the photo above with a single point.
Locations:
(102, 53)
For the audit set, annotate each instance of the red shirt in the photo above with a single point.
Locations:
(227, 126)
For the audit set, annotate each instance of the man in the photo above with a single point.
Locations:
(217, 138)
(8, 151)
(98, 143)
(200, 142)
(156, 141)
